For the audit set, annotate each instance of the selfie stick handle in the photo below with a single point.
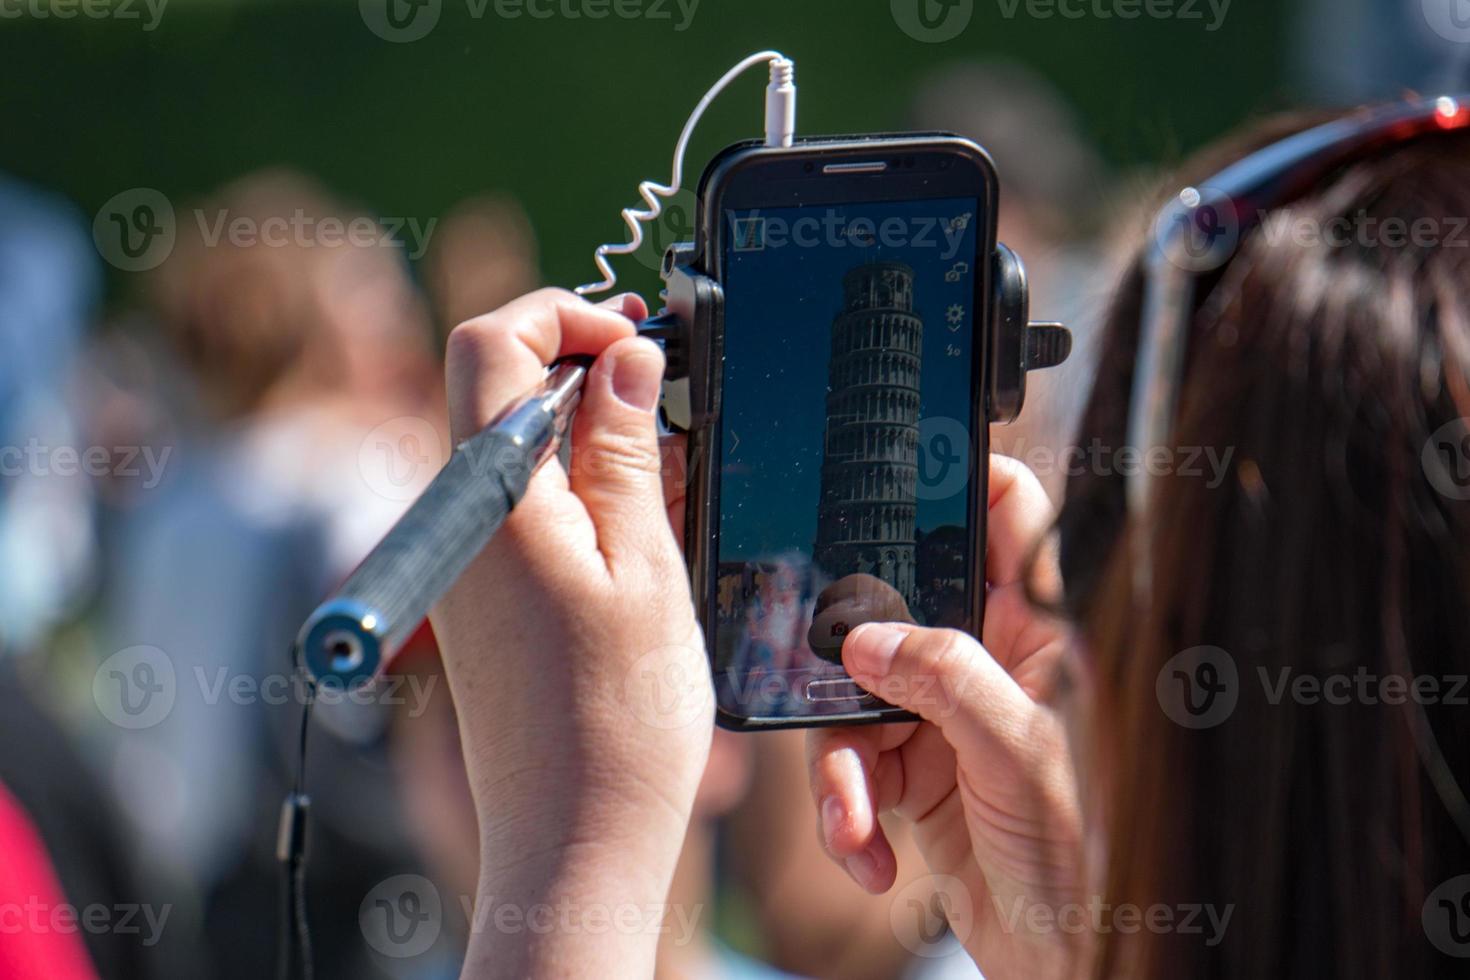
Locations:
(350, 637)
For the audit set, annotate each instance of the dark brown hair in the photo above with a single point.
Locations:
(1324, 366)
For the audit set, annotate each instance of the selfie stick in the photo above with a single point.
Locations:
(348, 637)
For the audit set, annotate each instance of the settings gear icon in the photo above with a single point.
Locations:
(955, 315)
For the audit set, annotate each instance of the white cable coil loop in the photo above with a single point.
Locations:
(780, 124)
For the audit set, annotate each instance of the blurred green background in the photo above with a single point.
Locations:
(566, 114)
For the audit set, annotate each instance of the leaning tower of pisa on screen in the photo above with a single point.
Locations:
(866, 510)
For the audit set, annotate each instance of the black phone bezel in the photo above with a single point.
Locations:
(751, 174)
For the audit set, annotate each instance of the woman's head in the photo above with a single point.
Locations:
(1288, 771)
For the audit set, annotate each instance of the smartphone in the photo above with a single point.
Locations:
(840, 478)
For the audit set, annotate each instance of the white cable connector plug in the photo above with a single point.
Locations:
(781, 103)
(780, 131)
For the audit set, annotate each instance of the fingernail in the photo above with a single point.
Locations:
(637, 372)
(862, 868)
(615, 303)
(832, 818)
(871, 647)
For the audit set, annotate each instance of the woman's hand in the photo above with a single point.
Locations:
(985, 779)
(571, 647)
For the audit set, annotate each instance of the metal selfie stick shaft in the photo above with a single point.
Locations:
(352, 635)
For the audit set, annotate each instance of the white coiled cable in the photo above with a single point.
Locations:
(780, 130)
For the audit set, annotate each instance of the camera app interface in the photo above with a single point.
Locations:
(845, 440)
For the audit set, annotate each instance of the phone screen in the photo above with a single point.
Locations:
(845, 440)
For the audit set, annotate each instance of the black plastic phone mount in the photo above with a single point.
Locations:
(694, 303)
(1017, 345)
(686, 326)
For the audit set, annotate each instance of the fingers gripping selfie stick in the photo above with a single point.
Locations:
(349, 638)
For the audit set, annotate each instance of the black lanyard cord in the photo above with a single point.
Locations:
(294, 942)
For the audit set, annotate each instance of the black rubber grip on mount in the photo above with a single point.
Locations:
(1047, 345)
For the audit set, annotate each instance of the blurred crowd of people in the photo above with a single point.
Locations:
(265, 413)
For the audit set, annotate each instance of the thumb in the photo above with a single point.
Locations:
(945, 677)
(616, 458)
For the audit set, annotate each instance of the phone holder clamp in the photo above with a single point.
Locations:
(687, 325)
